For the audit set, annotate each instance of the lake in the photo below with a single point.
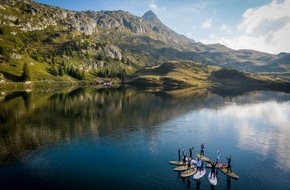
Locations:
(90, 138)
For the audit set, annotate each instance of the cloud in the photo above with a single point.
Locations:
(225, 28)
(271, 17)
(154, 7)
(206, 24)
(264, 28)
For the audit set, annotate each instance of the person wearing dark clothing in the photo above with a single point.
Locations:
(202, 149)
(184, 159)
(179, 154)
(213, 165)
(229, 168)
(190, 152)
(189, 164)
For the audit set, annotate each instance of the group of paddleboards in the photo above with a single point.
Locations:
(190, 167)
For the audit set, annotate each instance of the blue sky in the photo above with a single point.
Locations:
(261, 25)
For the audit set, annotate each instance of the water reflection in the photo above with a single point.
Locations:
(262, 128)
(259, 127)
(30, 120)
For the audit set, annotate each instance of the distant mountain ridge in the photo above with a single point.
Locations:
(106, 42)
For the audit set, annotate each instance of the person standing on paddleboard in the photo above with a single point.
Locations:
(218, 157)
(229, 168)
(184, 159)
(198, 164)
(189, 163)
(213, 165)
(190, 151)
(202, 149)
(179, 154)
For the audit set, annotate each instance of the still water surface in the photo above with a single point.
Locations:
(122, 138)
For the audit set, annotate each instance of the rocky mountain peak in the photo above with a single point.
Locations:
(151, 16)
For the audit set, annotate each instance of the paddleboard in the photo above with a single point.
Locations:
(193, 162)
(217, 166)
(206, 159)
(181, 168)
(176, 162)
(199, 174)
(232, 174)
(212, 180)
(188, 173)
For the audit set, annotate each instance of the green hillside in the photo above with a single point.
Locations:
(175, 74)
(50, 45)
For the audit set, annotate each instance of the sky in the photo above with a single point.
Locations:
(262, 25)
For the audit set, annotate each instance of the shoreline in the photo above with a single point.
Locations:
(221, 85)
(30, 85)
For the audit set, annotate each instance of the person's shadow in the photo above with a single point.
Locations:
(228, 183)
(198, 182)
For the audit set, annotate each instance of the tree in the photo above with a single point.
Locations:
(1, 76)
(100, 57)
(60, 70)
(25, 74)
(5, 53)
(123, 74)
(54, 70)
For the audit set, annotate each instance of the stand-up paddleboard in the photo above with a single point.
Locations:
(232, 174)
(217, 166)
(213, 179)
(199, 174)
(182, 168)
(188, 173)
(206, 159)
(193, 162)
(176, 162)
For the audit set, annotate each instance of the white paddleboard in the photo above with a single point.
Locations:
(193, 162)
(199, 174)
(212, 180)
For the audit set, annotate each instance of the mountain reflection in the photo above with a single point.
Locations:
(29, 120)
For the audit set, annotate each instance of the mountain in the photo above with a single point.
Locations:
(69, 45)
(151, 17)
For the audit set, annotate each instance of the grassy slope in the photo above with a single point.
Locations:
(173, 75)
(185, 74)
(234, 79)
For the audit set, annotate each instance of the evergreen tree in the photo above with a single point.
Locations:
(61, 71)
(83, 76)
(53, 70)
(5, 53)
(53, 60)
(100, 57)
(25, 74)
(123, 74)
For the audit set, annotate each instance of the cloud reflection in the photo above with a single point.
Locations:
(263, 128)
